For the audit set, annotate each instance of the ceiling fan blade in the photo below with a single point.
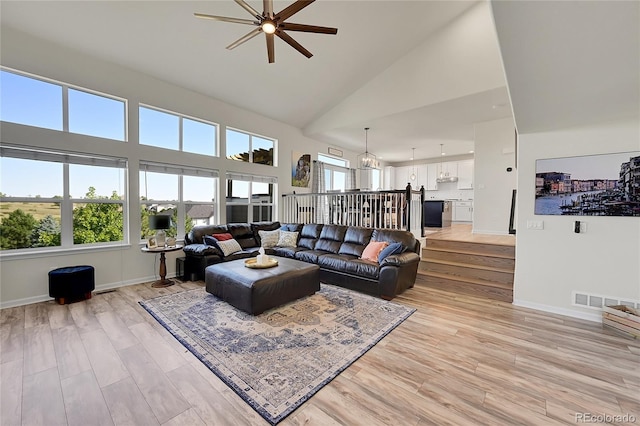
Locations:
(291, 42)
(244, 38)
(292, 9)
(226, 19)
(268, 8)
(270, 49)
(307, 28)
(249, 9)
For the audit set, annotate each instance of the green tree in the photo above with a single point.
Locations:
(47, 233)
(16, 229)
(97, 222)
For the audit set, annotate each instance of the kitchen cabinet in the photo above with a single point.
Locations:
(431, 176)
(402, 177)
(450, 168)
(463, 211)
(465, 174)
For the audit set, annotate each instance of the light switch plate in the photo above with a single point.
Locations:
(537, 225)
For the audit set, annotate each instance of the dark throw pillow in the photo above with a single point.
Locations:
(393, 248)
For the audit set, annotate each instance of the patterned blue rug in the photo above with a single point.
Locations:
(279, 359)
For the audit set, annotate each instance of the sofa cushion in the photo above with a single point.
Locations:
(197, 233)
(288, 239)
(349, 264)
(395, 236)
(331, 238)
(393, 248)
(373, 250)
(256, 227)
(200, 250)
(309, 256)
(309, 235)
(269, 239)
(291, 227)
(289, 252)
(243, 234)
(355, 240)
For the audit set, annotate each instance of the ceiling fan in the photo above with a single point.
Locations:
(270, 24)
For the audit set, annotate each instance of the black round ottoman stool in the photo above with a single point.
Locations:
(72, 283)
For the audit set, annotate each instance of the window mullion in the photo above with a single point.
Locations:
(66, 210)
(65, 108)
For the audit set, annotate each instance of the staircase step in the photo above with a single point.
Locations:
(472, 287)
(468, 247)
(466, 279)
(484, 272)
(500, 261)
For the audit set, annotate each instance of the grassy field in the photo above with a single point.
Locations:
(37, 210)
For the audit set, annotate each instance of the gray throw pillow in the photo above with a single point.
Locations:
(269, 238)
(287, 239)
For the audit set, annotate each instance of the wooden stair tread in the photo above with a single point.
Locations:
(468, 280)
(469, 265)
(480, 253)
(471, 242)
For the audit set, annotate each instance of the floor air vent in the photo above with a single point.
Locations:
(597, 301)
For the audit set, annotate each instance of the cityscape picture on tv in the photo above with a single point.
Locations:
(592, 185)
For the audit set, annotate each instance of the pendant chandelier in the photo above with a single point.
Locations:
(366, 160)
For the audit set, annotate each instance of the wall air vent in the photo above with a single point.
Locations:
(598, 301)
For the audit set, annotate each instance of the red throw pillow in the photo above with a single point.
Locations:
(372, 250)
(222, 237)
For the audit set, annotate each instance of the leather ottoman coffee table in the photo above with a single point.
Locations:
(256, 290)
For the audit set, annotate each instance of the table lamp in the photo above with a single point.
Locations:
(159, 223)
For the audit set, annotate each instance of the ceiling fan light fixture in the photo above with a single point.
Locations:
(268, 27)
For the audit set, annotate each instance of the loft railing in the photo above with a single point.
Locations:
(398, 209)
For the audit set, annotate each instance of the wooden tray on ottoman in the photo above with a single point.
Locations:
(623, 319)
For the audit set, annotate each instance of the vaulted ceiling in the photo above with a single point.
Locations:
(418, 73)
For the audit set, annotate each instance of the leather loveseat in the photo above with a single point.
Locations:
(336, 249)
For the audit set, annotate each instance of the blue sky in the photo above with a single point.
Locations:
(38, 103)
(606, 166)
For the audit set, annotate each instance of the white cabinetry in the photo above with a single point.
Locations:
(402, 177)
(462, 211)
(465, 174)
(450, 168)
(432, 175)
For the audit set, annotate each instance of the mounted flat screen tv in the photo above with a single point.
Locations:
(591, 185)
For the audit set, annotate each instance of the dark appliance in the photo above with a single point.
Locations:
(437, 213)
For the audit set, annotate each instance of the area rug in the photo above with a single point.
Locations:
(277, 360)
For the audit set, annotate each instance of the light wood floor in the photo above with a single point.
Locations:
(457, 360)
(464, 232)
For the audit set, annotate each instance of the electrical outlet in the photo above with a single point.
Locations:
(537, 225)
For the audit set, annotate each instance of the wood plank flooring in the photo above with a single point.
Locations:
(457, 360)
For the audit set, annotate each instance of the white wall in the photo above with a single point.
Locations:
(24, 279)
(553, 262)
(494, 152)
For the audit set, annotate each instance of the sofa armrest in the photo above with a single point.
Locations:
(398, 273)
(400, 259)
(200, 250)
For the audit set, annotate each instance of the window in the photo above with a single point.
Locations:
(30, 101)
(81, 200)
(243, 146)
(96, 115)
(39, 103)
(169, 130)
(250, 198)
(327, 159)
(186, 194)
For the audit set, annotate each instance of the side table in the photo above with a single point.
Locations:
(163, 281)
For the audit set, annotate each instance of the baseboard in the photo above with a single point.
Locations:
(98, 289)
(588, 316)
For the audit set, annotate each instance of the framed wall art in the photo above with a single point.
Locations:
(590, 185)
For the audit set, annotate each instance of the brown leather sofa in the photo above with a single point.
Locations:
(336, 249)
